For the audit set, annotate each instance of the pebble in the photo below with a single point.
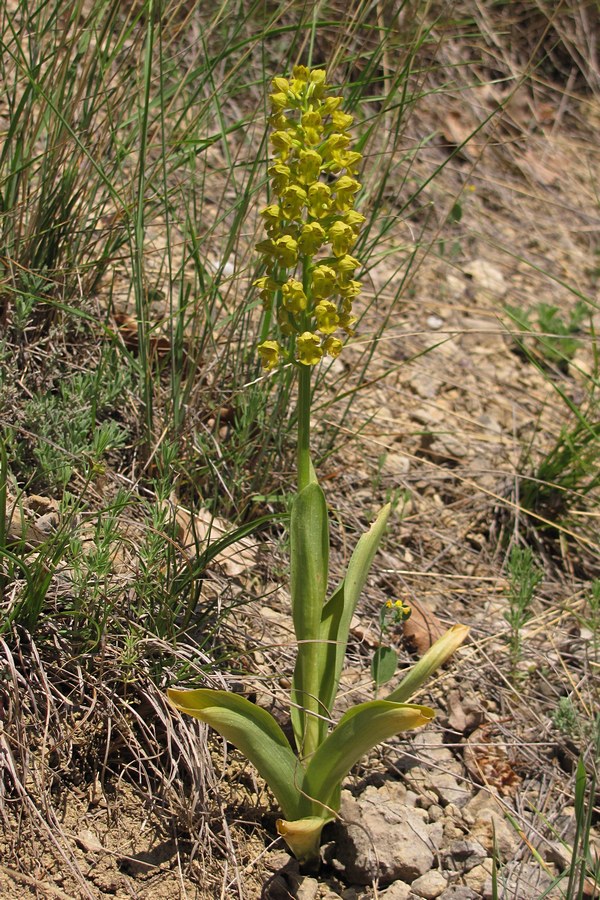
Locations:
(430, 885)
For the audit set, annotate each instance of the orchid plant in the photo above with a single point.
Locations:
(310, 286)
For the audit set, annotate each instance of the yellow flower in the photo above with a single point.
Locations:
(308, 349)
(311, 119)
(272, 216)
(270, 354)
(345, 188)
(280, 175)
(279, 101)
(348, 321)
(341, 120)
(280, 84)
(354, 220)
(309, 166)
(311, 238)
(345, 159)
(282, 141)
(345, 267)
(323, 282)
(292, 201)
(334, 142)
(327, 317)
(330, 104)
(286, 251)
(319, 200)
(341, 237)
(349, 290)
(283, 320)
(332, 346)
(267, 287)
(294, 298)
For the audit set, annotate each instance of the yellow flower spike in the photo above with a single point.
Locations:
(308, 349)
(292, 201)
(323, 282)
(327, 317)
(332, 346)
(270, 354)
(294, 298)
(286, 251)
(309, 166)
(345, 188)
(311, 238)
(341, 237)
(319, 200)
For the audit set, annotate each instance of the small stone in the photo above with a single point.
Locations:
(486, 277)
(463, 855)
(435, 812)
(479, 875)
(307, 889)
(491, 825)
(379, 838)
(434, 322)
(397, 891)
(430, 885)
(459, 892)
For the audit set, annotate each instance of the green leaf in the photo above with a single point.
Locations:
(358, 731)
(339, 610)
(255, 733)
(435, 657)
(383, 665)
(309, 552)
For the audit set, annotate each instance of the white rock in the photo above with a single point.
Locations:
(396, 891)
(486, 277)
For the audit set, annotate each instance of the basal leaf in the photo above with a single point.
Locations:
(340, 608)
(255, 733)
(309, 548)
(358, 731)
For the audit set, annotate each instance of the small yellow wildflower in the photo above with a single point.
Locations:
(294, 298)
(311, 238)
(327, 316)
(270, 353)
(308, 349)
(342, 238)
(332, 346)
(323, 282)
(286, 251)
(319, 200)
